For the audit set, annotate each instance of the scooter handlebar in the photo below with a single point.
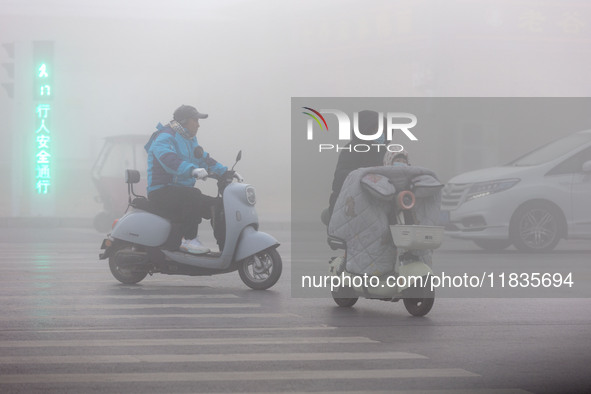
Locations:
(226, 176)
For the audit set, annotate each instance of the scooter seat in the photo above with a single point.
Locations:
(146, 205)
(142, 203)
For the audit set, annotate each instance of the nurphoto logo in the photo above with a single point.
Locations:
(394, 121)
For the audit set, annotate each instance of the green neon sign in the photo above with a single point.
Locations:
(44, 85)
(42, 96)
(43, 150)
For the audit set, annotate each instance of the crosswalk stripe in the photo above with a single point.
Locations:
(13, 285)
(52, 259)
(237, 376)
(144, 330)
(118, 297)
(76, 307)
(181, 342)
(159, 316)
(182, 358)
(17, 284)
(436, 391)
(44, 246)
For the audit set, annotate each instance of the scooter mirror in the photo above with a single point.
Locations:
(238, 157)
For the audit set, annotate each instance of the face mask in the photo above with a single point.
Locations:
(399, 164)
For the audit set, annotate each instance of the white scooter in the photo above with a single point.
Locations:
(143, 242)
(410, 278)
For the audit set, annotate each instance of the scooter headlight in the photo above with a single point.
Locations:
(251, 195)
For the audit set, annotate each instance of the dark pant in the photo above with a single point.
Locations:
(184, 205)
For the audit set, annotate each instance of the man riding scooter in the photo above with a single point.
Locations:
(175, 160)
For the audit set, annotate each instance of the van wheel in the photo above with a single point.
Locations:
(261, 271)
(492, 245)
(536, 227)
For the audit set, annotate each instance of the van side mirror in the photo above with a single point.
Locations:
(587, 166)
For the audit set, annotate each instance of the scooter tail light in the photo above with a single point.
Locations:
(114, 223)
(406, 200)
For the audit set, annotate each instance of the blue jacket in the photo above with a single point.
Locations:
(171, 159)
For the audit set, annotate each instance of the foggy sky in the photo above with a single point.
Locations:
(124, 66)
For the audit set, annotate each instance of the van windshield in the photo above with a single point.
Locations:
(552, 150)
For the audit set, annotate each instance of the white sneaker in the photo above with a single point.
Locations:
(193, 246)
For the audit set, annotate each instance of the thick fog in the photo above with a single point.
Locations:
(123, 66)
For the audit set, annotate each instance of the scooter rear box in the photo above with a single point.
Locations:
(416, 237)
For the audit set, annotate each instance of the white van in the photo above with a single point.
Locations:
(532, 202)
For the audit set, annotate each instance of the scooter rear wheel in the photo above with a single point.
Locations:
(340, 295)
(122, 269)
(261, 271)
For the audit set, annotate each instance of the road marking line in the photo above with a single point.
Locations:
(441, 391)
(76, 307)
(18, 284)
(120, 297)
(181, 358)
(140, 316)
(237, 376)
(145, 330)
(33, 257)
(44, 246)
(182, 342)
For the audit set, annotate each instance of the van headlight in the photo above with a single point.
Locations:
(251, 195)
(482, 189)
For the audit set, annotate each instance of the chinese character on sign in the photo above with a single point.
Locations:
(43, 128)
(43, 110)
(43, 141)
(43, 157)
(571, 23)
(43, 172)
(532, 21)
(42, 186)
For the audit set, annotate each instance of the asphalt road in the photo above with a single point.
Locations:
(68, 326)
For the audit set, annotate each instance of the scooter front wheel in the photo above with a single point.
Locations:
(418, 306)
(344, 302)
(261, 271)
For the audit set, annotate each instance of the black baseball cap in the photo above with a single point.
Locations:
(185, 112)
